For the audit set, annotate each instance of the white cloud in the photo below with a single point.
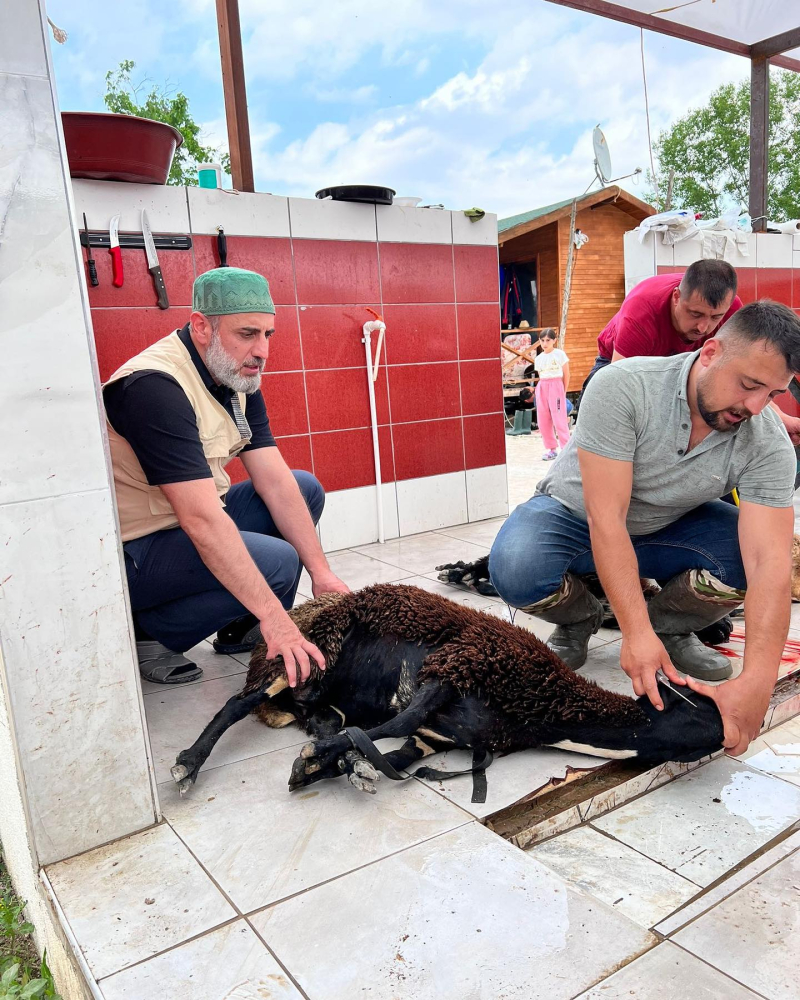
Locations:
(510, 133)
(514, 133)
(287, 39)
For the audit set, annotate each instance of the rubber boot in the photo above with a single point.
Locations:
(523, 420)
(691, 601)
(578, 615)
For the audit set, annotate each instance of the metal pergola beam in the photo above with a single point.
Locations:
(604, 8)
(769, 47)
(639, 20)
(233, 84)
(759, 142)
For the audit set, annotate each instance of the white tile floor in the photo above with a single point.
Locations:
(247, 892)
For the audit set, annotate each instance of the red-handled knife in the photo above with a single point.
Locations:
(116, 253)
(152, 263)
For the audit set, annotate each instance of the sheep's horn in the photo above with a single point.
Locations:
(278, 685)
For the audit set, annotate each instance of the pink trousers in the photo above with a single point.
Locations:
(551, 412)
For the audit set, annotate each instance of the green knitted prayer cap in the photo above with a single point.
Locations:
(228, 290)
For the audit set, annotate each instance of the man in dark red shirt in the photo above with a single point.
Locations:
(672, 313)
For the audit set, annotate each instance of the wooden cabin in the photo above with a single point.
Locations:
(540, 239)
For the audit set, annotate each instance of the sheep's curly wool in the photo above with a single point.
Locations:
(477, 653)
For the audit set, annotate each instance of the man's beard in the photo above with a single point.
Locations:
(226, 370)
(715, 418)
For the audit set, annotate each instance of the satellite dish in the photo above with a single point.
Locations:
(602, 157)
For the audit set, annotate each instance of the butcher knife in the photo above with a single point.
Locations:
(152, 263)
(116, 253)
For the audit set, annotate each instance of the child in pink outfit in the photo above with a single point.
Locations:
(552, 367)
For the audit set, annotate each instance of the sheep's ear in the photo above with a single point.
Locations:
(278, 685)
(274, 718)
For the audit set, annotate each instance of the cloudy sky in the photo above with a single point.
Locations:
(465, 102)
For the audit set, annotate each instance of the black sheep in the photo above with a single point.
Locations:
(402, 662)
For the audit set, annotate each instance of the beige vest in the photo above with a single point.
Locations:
(144, 508)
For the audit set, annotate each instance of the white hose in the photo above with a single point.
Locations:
(372, 374)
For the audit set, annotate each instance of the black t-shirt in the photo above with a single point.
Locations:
(153, 413)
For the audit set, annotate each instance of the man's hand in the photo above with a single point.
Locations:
(326, 582)
(792, 425)
(641, 658)
(284, 638)
(742, 703)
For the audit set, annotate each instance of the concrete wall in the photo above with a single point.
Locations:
(71, 692)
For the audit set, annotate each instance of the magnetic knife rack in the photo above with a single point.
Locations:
(135, 241)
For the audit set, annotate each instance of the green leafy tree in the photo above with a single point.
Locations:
(149, 101)
(709, 151)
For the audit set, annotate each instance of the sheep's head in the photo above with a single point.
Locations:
(689, 727)
(285, 703)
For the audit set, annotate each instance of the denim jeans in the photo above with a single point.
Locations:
(542, 540)
(179, 601)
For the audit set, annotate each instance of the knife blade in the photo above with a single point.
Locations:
(89, 259)
(662, 678)
(152, 263)
(116, 253)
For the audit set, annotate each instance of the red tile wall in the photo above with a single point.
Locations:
(438, 393)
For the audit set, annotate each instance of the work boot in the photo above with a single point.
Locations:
(691, 601)
(578, 615)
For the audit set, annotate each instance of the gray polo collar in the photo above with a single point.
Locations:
(683, 382)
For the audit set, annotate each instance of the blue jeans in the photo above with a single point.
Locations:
(179, 601)
(543, 540)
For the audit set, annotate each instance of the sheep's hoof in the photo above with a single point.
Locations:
(308, 750)
(362, 784)
(178, 772)
(299, 776)
(183, 777)
(360, 773)
(364, 769)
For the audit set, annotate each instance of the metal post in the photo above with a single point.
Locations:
(562, 329)
(759, 142)
(230, 48)
(670, 182)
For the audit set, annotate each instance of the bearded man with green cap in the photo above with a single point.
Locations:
(202, 555)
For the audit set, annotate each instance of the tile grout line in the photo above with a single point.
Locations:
(721, 972)
(173, 947)
(194, 684)
(641, 853)
(367, 864)
(239, 760)
(740, 865)
(393, 481)
(277, 960)
(719, 884)
(300, 341)
(57, 496)
(66, 928)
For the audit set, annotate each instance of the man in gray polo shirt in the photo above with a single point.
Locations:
(636, 494)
